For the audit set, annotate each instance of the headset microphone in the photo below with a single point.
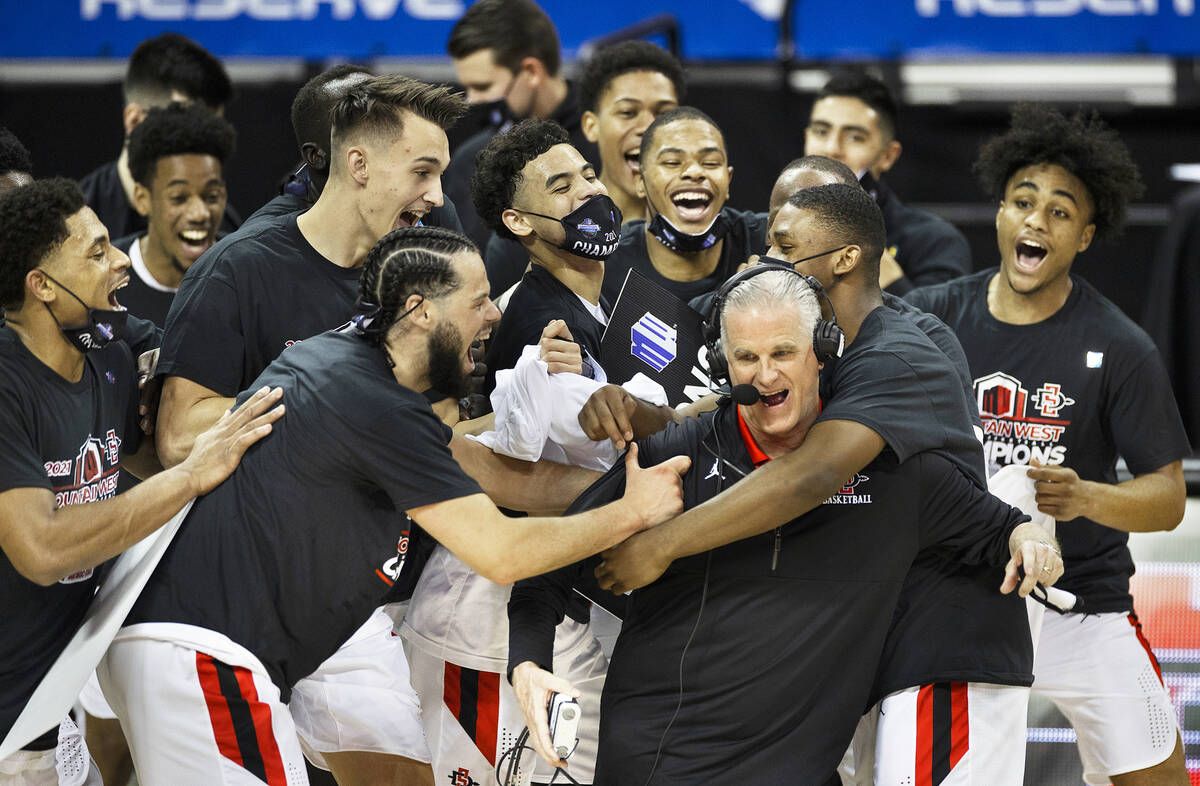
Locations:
(746, 395)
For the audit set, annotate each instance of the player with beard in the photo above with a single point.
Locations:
(283, 280)
(16, 165)
(853, 120)
(176, 155)
(276, 568)
(507, 57)
(691, 241)
(166, 69)
(69, 424)
(622, 89)
(313, 127)
(532, 187)
(1097, 389)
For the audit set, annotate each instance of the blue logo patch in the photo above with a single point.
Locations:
(588, 227)
(654, 342)
(111, 377)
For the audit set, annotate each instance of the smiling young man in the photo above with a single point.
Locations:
(853, 120)
(169, 68)
(1066, 382)
(305, 566)
(779, 635)
(690, 242)
(69, 424)
(176, 155)
(622, 89)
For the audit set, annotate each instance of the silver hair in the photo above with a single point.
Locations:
(777, 289)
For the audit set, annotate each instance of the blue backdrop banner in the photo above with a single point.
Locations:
(718, 29)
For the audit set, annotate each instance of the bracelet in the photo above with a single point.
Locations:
(1053, 548)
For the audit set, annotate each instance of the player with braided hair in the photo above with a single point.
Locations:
(280, 281)
(1095, 388)
(309, 547)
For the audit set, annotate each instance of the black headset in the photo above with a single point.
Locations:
(828, 339)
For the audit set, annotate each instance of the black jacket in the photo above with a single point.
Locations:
(786, 629)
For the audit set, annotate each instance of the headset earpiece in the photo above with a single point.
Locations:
(828, 339)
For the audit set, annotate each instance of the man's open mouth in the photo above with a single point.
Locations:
(691, 205)
(195, 241)
(773, 399)
(1029, 255)
(112, 295)
(409, 218)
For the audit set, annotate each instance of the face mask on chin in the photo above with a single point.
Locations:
(103, 326)
(592, 230)
(683, 242)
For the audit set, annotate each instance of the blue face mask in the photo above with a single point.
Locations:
(592, 230)
(103, 326)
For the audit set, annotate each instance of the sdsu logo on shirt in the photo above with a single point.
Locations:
(392, 568)
(851, 493)
(1018, 427)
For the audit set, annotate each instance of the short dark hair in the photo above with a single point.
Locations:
(173, 62)
(313, 105)
(856, 83)
(823, 164)
(175, 130)
(498, 167)
(625, 58)
(512, 29)
(671, 116)
(850, 216)
(33, 221)
(376, 106)
(1082, 144)
(14, 157)
(409, 261)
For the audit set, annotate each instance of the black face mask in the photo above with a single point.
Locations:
(681, 242)
(592, 230)
(104, 325)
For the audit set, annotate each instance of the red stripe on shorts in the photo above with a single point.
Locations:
(487, 715)
(923, 764)
(452, 689)
(261, 713)
(218, 709)
(1137, 629)
(960, 726)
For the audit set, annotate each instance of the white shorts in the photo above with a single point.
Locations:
(361, 699)
(190, 718)
(1099, 671)
(91, 698)
(473, 718)
(68, 764)
(952, 734)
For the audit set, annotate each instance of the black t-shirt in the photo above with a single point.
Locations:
(288, 556)
(1077, 389)
(781, 658)
(249, 297)
(67, 437)
(139, 297)
(928, 247)
(747, 235)
(951, 622)
(456, 182)
(540, 298)
(104, 193)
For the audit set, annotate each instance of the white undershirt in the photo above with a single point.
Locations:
(139, 266)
